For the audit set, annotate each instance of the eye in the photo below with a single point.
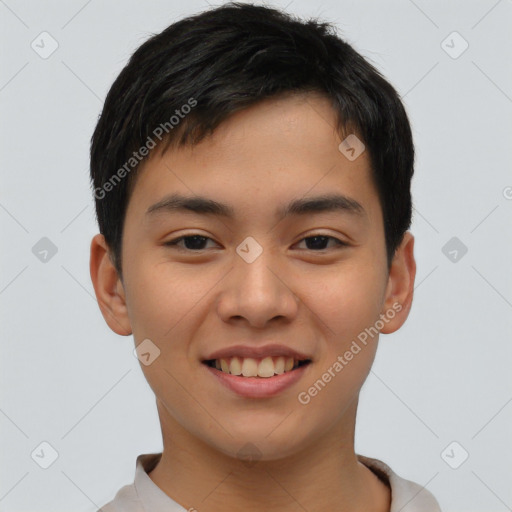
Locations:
(191, 242)
(195, 243)
(318, 241)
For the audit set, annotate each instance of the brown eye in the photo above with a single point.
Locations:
(190, 242)
(319, 242)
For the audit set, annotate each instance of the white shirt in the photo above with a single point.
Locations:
(145, 496)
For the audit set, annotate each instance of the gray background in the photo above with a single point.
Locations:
(67, 380)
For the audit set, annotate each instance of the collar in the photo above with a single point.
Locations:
(406, 496)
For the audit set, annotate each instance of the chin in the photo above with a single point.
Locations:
(251, 447)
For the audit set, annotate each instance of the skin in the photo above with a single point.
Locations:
(317, 301)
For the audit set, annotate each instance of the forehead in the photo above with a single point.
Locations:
(265, 156)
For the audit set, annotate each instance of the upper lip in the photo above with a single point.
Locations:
(257, 352)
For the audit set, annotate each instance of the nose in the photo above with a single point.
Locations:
(257, 293)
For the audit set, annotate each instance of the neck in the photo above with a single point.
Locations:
(323, 476)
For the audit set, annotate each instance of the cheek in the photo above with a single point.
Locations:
(347, 305)
(349, 301)
(163, 295)
(168, 303)
(165, 303)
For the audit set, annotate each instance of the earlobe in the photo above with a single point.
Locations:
(108, 287)
(400, 286)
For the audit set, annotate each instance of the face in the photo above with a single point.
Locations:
(255, 280)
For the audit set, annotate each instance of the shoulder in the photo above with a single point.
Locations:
(406, 495)
(126, 500)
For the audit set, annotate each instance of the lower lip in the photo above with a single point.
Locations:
(259, 387)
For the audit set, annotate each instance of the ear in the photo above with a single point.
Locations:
(108, 287)
(400, 287)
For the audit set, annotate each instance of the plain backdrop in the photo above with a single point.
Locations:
(436, 406)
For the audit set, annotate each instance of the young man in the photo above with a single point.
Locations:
(252, 181)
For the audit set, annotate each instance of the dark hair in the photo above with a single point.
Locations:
(228, 58)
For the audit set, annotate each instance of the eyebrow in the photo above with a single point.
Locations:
(206, 206)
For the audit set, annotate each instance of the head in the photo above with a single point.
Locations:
(243, 110)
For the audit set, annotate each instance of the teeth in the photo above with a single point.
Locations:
(266, 367)
(235, 367)
(279, 365)
(250, 367)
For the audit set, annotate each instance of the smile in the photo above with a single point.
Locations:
(255, 378)
(251, 367)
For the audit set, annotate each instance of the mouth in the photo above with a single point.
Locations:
(250, 377)
(263, 368)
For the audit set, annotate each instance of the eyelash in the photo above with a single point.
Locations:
(176, 241)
